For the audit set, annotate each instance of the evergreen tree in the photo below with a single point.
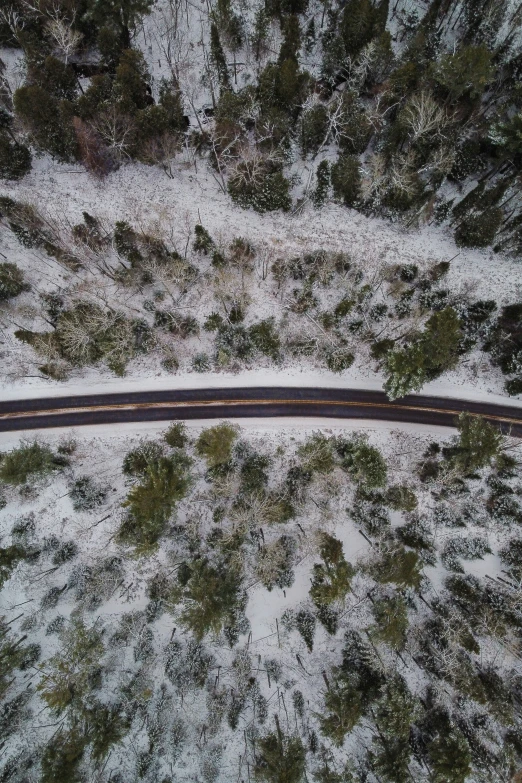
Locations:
(305, 624)
(48, 120)
(218, 58)
(123, 15)
(479, 442)
(320, 194)
(343, 706)
(346, 180)
(280, 758)
(450, 757)
(391, 617)
(466, 73)
(15, 158)
(212, 598)
(331, 579)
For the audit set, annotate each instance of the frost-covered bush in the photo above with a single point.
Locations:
(65, 551)
(305, 624)
(86, 494)
(11, 281)
(258, 183)
(274, 563)
(31, 458)
(372, 517)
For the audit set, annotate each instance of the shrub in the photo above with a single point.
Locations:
(176, 435)
(316, 454)
(86, 494)
(256, 184)
(11, 281)
(339, 359)
(215, 443)
(201, 362)
(29, 459)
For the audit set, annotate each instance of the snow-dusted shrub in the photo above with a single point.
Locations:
(364, 462)
(305, 624)
(201, 362)
(274, 563)
(95, 584)
(31, 458)
(86, 494)
(372, 517)
(467, 547)
(50, 598)
(66, 550)
(259, 183)
(316, 454)
(11, 281)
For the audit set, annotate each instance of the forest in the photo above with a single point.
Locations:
(221, 603)
(196, 194)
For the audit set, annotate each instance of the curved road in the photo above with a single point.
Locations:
(166, 405)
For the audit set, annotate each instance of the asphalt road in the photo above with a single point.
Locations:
(168, 405)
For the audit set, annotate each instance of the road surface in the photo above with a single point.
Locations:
(255, 402)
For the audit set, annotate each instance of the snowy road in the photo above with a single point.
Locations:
(247, 402)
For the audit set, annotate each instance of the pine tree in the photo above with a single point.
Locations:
(215, 443)
(450, 757)
(320, 194)
(391, 617)
(15, 158)
(305, 624)
(346, 180)
(331, 580)
(479, 442)
(218, 58)
(343, 706)
(280, 758)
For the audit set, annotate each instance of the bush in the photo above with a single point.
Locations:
(29, 459)
(259, 186)
(176, 435)
(86, 494)
(401, 498)
(391, 617)
(11, 281)
(397, 565)
(331, 580)
(338, 359)
(215, 443)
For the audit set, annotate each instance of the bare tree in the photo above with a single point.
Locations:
(116, 129)
(161, 150)
(423, 116)
(66, 40)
